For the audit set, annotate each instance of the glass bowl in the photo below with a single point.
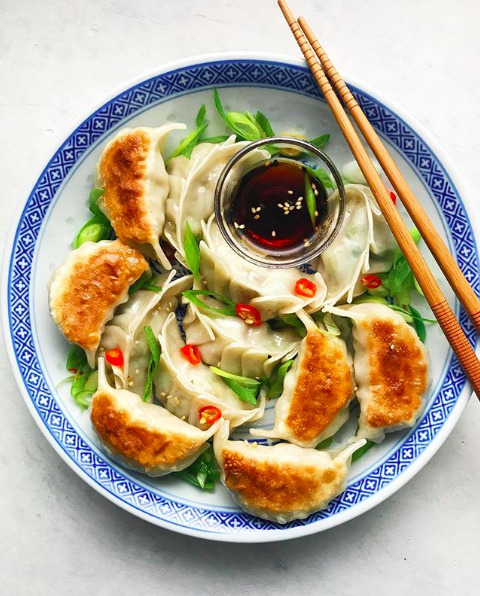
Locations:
(232, 188)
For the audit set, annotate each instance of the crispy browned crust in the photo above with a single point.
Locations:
(324, 386)
(279, 488)
(398, 373)
(93, 288)
(149, 448)
(123, 168)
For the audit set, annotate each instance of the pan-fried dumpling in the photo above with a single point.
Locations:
(271, 291)
(193, 185)
(281, 482)
(132, 172)
(391, 369)
(233, 346)
(85, 290)
(364, 245)
(317, 391)
(142, 436)
(126, 330)
(184, 388)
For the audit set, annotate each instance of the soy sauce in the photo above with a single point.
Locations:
(270, 209)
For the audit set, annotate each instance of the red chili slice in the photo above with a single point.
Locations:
(393, 196)
(306, 288)
(191, 353)
(249, 314)
(114, 357)
(209, 414)
(371, 281)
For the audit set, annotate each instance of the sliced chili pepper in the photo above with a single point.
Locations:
(114, 357)
(306, 288)
(371, 281)
(191, 353)
(393, 196)
(209, 414)
(73, 370)
(249, 314)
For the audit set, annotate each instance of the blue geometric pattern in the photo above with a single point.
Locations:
(222, 73)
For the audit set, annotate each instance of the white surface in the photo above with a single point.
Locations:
(55, 61)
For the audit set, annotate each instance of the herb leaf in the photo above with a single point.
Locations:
(245, 393)
(187, 144)
(418, 323)
(320, 141)
(192, 251)
(264, 124)
(217, 139)
(330, 324)
(203, 473)
(360, 452)
(227, 310)
(277, 379)
(76, 359)
(153, 361)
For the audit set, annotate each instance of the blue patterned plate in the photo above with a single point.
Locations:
(41, 236)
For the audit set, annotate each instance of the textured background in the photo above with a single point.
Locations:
(57, 59)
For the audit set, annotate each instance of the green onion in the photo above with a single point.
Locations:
(264, 124)
(192, 251)
(418, 324)
(325, 444)
(277, 380)
(97, 228)
(76, 359)
(310, 199)
(153, 361)
(360, 452)
(320, 175)
(187, 144)
(239, 379)
(320, 141)
(95, 194)
(144, 283)
(203, 473)
(227, 310)
(217, 139)
(244, 127)
(246, 389)
(364, 299)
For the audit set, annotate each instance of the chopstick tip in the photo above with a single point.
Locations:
(287, 13)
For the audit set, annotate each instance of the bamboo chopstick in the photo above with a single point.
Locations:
(431, 290)
(447, 263)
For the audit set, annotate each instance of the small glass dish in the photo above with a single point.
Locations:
(250, 186)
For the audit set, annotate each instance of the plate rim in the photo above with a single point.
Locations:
(248, 536)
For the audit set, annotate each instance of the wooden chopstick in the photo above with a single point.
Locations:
(426, 280)
(447, 263)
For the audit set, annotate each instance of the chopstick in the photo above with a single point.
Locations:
(425, 278)
(432, 238)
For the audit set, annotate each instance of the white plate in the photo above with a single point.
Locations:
(41, 235)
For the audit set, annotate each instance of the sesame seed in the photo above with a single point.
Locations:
(253, 209)
(268, 163)
(184, 417)
(316, 213)
(300, 199)
(130, 383)
(290, 192)
(392, 347)
(286, 203)
(137, 371)
(280, 205)
(286, 212)
(241, 226)
(235, 224)
(315, 192)
(256, 217)
(163, 394)
(314, 186)
(307, 243)
(177, 401)
(299, 206)
(292, 207)
(274, 233)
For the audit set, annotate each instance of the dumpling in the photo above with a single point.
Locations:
(364, 245)
(85, 290)
(193, 183)
(132, 172)
(126, 330)
(184, 388)
(281, 482)
(391, 369)
(142, 436)
(271, 291)
(233, 346)
(317, 391)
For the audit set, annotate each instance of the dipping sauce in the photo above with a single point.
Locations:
(270, 208)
